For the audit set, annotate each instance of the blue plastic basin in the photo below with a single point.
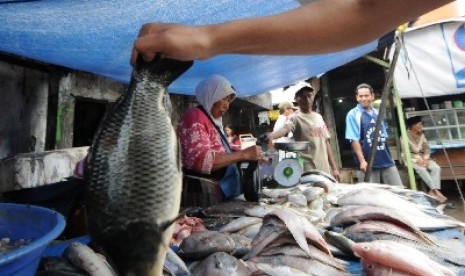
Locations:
(20, 221)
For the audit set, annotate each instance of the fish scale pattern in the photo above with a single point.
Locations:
(136, 164)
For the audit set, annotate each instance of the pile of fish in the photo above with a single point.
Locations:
(317, 228)
(323, 228)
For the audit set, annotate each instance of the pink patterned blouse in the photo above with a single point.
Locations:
(200, 141)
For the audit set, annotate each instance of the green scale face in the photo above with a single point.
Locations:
(288, 172)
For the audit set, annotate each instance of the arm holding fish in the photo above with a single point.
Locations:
(306, 28)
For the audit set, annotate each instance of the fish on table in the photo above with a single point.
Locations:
(417, 214)
(288, 238)
(201, 244)
(134, 173)
(400, 257)
(303, 265)
(220, 263)
(371, 268)
(86, 259)
(362, 213)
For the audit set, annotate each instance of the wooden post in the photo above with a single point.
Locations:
(329, 119)
(65, 113)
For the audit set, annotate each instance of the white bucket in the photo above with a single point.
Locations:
(247, 140)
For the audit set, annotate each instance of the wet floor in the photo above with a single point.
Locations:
(450, 190)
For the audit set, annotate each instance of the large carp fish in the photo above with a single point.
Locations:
(134, 173)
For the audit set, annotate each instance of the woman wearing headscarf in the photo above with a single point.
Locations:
(209, 164)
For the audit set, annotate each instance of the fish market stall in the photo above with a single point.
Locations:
(319, 228)
(333, 209)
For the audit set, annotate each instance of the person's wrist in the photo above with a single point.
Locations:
(214, 40)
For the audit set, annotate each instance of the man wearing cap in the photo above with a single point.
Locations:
(307, 125)
(428, 170)
(360, 128)
(209, 164)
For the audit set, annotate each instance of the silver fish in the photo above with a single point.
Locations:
(307, 265)
(271, 270)
(134, 173)
(174, 265)
(368, 212)
(201, 244)
(220, 264)
(388, 227)
(447, 256)
(401, 257)
(371, 268)
(240, 223)
(296, 251)
(83, 257)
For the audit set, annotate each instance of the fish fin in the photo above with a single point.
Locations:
(425, 237)
(167, 103)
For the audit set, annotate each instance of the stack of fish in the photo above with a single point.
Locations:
(321, 228)
(288, 240)
(314, 229)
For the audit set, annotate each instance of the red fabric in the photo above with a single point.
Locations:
(200, 141)
(235, 143)
(184, 227)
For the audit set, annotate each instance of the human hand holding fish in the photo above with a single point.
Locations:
(305, 28)
(174, 41)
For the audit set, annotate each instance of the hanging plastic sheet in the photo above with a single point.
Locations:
(97, 37)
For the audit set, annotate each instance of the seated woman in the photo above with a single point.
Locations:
(428, 170)
(209, 164)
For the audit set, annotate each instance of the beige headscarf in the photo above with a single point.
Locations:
(211, 90)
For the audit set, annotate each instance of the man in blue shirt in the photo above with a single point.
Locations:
(360, 127)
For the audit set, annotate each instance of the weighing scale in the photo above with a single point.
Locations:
(288, 171)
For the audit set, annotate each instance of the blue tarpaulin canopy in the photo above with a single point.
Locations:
(97, 37)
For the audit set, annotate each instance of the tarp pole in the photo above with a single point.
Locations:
(404, 139)
(382, 110)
